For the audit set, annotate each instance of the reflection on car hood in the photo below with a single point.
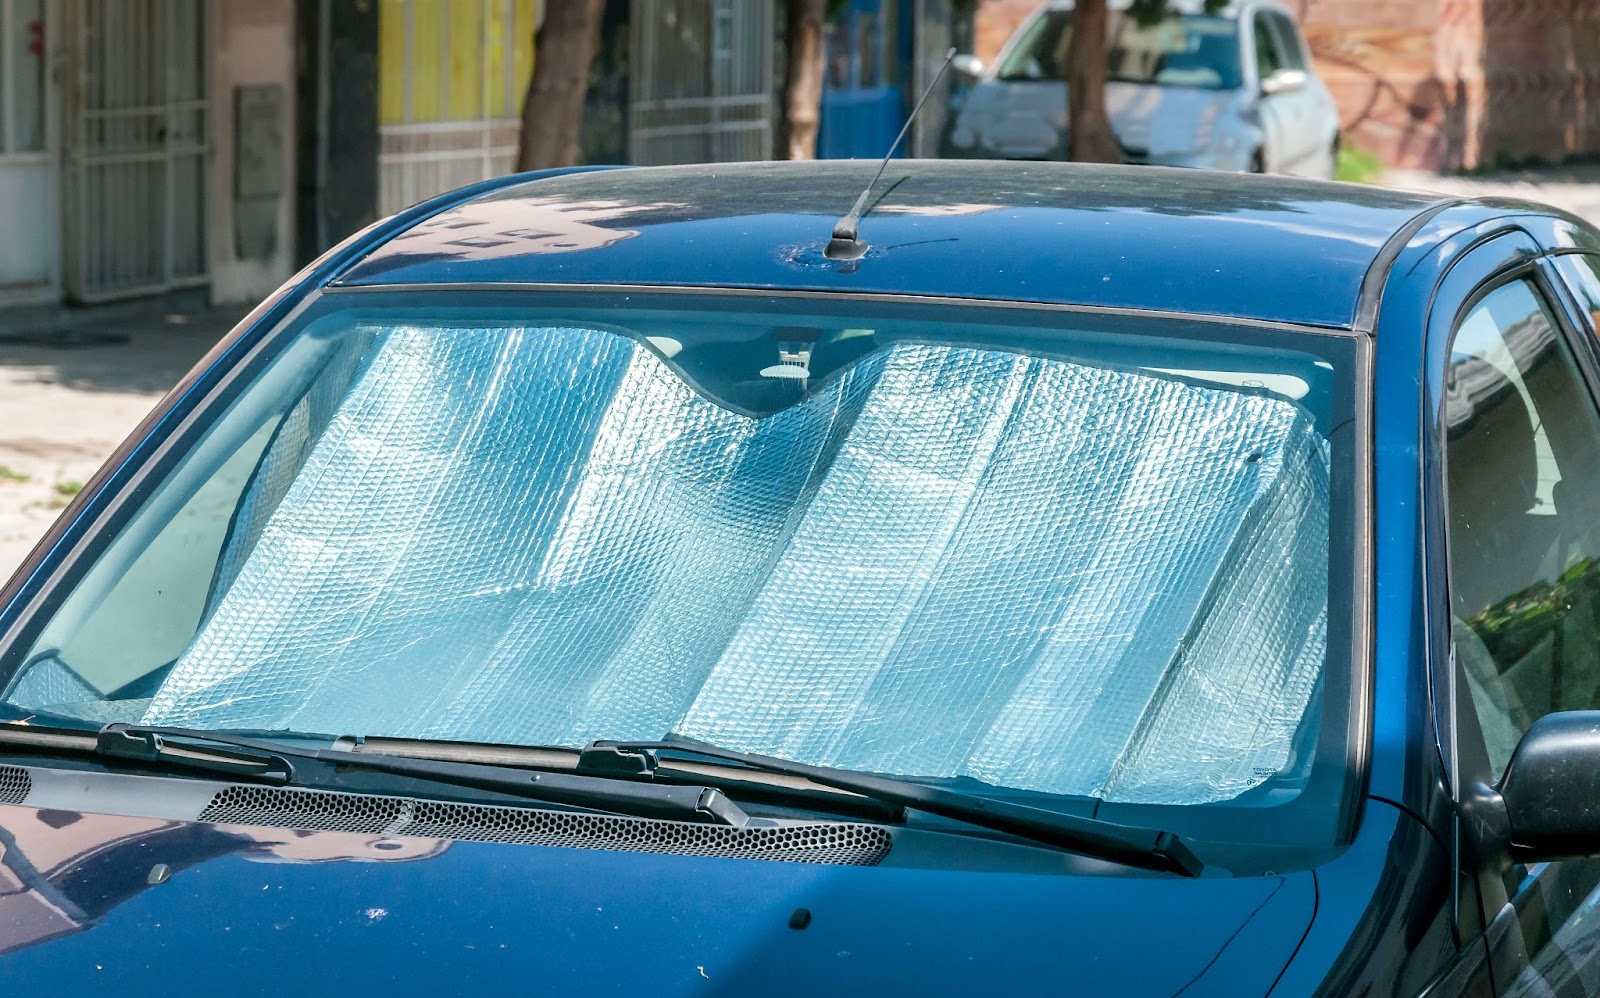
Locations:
(1027, 119)
(147, 906)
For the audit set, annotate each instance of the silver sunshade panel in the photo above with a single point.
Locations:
(48, 681)
(1016, 583)
(948, 561)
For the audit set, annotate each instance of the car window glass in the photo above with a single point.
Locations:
(820, 537)
(1268, 59)
(1290, 51)
(149, 616)
(1582, 271)
(1191, 50)
(1522, 459)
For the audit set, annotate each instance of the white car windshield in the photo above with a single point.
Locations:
(1190, 50)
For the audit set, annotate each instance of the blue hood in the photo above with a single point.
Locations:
(162, 907)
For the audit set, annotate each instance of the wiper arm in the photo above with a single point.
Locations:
(1145, 848)
(115, 742)
(240, 756)
(742, 782)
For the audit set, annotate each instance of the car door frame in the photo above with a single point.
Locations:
(1272, 109)
(1503, 901)
(1302, 139)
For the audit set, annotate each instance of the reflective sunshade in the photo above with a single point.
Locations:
(1093, 565)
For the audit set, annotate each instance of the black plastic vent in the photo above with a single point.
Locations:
(15, 785)
(832, 843)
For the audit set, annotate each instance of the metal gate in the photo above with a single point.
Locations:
(136, 148)
(702, 81)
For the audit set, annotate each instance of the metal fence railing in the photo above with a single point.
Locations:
(702, 81)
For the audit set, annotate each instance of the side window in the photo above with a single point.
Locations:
(1582, 271)
(1522, 463)
(1268, 59)
(1290, 48)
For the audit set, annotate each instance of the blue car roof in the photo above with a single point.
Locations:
(1119, 237)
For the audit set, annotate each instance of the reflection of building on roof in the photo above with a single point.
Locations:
(496, 228)
(61, 871)
(942, 210)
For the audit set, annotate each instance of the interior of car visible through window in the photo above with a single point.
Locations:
(1523, 460)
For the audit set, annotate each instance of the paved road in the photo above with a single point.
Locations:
(1575, 189)
(65, 407)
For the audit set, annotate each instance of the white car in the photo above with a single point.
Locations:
(1233, 90)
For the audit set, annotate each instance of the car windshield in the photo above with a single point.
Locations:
(1045, 550)
(1181, 50)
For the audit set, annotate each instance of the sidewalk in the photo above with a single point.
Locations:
(72, 385)
(1570, 188)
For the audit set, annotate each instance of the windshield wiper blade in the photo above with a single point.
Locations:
(109, 742)
(752, 786)
(240, 756)
(1145, 848)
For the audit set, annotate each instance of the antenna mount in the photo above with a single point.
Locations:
(846, 243)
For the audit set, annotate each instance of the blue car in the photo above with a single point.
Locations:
(1037, 579)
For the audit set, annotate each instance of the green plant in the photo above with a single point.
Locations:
(1512, 628)
(1357, 165)
(9, 474)
(67, 489)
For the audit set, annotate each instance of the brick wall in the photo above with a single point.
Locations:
(1439, 84)
(1541, 78)
(1446, 84)
(994, 22)
(1380, 59)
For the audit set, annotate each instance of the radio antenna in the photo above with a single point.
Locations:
(846, 243)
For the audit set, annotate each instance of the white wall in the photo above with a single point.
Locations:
(30, 252)
(30, 190)
(253, 42)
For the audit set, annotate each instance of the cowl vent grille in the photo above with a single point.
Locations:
(831, 843)
(15, 785)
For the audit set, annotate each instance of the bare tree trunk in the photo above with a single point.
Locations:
(552, 111)
(802, 80)
(1089, 135)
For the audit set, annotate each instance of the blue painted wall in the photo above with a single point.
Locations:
(868, 48)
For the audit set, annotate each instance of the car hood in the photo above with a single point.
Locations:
(148, 906)
(1028, 119)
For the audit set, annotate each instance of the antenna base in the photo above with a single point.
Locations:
(840, 248)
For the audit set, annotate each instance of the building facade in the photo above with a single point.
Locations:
(142, 147)
(451, 76)
(152, 146)
(1463, 84)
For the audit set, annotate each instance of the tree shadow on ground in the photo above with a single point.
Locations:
(137, 355)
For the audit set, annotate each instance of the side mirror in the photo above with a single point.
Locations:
(1284, 81)
(1551, 788)
(967, 65)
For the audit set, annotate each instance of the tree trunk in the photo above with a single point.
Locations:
(802, 80)
(552, 111)
(1089, 135)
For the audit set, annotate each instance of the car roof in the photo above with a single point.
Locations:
(1187, 241)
